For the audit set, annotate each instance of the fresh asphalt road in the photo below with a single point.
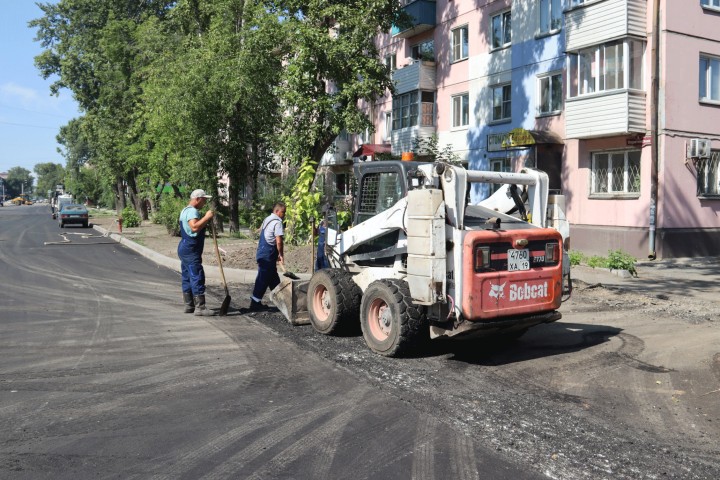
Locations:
(102, 375)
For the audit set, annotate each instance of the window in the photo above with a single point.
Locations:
(708, 179)
(709, 78)
(551, 15)
(459, 43)
(610, 66)
(499, 165)
(391, 62)
(501, 30)
(423, 51)
(460, 110)
(388, 125)
(412, 109)
(550, 97)
(710, 3)
(501, 103)
(616, 172)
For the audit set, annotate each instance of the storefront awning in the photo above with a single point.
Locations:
(521, 138)
(372, 149)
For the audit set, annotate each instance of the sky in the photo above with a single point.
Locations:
(30, 117)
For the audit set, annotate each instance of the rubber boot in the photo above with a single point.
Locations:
(200, 309)
(189, 302)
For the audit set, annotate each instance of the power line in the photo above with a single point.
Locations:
(27, 125)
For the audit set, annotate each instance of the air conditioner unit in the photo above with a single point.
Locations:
(699, 148)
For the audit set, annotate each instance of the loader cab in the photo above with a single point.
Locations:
(380, 185)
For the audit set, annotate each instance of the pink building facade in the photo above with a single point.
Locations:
(627, 128)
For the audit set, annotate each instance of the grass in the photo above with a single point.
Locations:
(616, 260)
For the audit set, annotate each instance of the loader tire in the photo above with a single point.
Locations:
(392, 325)
(333, 301)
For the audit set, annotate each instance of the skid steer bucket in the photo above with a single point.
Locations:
(290, 297)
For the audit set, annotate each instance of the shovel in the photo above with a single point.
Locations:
(226, 302)
(289, 275)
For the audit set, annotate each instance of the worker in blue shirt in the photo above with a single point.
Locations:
(190, 250)
(269, 252)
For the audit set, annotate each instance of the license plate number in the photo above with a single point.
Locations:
(518, 260)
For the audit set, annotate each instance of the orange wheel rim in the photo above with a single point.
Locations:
(380, 319)
(321, 303)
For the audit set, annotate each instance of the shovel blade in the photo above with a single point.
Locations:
(225, 306)
(290, 297)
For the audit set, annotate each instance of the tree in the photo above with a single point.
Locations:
(209, 95)
(49, 175)
(18, 181)
(91, 49)
(331, 67)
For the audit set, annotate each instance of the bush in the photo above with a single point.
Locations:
(168, 213)
(576, 258)
(619, 260)
(130, 217)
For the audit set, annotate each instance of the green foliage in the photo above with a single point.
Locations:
(18, 181)
(619, 260)
(576, 258)
(302, 204)
(49, 175)
(429, 146)
(616, 260)
(130, 217)
(596, 261)
(168, 213)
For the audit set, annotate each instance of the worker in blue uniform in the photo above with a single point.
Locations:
(269, 252)
(190, 250)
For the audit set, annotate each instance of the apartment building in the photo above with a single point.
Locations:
(627, 126)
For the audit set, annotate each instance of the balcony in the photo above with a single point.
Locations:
(419, 75)
(422, 13)
(606, 20)
(618, 112)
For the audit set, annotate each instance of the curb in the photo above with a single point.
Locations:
(236, 275)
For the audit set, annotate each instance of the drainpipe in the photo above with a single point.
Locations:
(654, 136)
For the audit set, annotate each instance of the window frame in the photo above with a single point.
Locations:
(589, 74)
(705, 81)
(421, 55)
(550, 14)
(502, 87)
(703, 167)
(505, 17)
(539, 104)
(390, 61)
(595, 193)
(463, 41)
(703, 4)
(463, 101)
(409, 113)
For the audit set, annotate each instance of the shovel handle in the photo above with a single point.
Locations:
(217, 252)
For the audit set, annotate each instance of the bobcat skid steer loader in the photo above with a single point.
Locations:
(420, 263)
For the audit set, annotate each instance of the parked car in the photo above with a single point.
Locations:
(73, 214)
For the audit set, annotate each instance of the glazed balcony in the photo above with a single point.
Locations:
(618, 112)
(604, 20)
(422, 13)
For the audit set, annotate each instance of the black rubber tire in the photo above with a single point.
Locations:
(85, 225)
(407, 330)
(333, 301)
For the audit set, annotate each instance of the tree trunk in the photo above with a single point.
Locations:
(119, 189)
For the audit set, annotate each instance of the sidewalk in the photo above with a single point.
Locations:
(679, 277)
(682, 277)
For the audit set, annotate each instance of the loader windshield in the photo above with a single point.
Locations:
(378, 192)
